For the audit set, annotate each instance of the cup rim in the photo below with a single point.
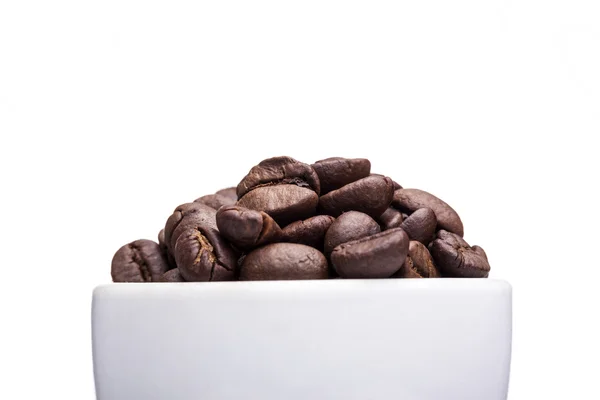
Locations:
(430, 283)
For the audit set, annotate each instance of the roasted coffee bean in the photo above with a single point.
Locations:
(215, 201)
(371, 195)
(172, 276)
(396, 184)
(420, 225)
(390, 219)
(206, 219)
(479, 250)
(247, 229)
(410, 200)
(284, 203)
(185, 214)
(161, 241)
(202, 254)
(230, 192)
(418, 264)
(277, 171)
(310, 232)
(455, 258)
(349, 226)
(336, 172)
(375, 256)
(284, 261)
(165, 250)
(139, 261)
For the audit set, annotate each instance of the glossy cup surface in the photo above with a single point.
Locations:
(411, 339)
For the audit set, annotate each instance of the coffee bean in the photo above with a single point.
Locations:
(196, 219)
(247, 229)
(215, 201)
(279, 170)
(336, 172)
(188, 213)
(396, 184)
(349, 226)
(161, 241)
(390, 219)
(371, 195)
(230, 192)
(418, 264)
(479, 250)
(202, 254)
(420, 225)
(284, 203)
(410, 200)
(172, 276)
(375, 256)
(454, 257)
(310, 232)
(138, 261)
(284, 261)
(164, 249)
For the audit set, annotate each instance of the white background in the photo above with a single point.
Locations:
(113, 113)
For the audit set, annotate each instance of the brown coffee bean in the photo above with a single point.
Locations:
(376, 256)
(284, 261)
(139, 261)
(420, 225)
(215, 201)
(390, 219)
(396, 184)
(172, 276)
(247, 229)
(230, 192)
(202, 254)
(347, 227)
(455, 258)
(410, 200)
(336, 172)
(479, 250)
(161, 241)
(164, 249)
(418, 264)
(277, 171)
(203, 214)
(371, 195)
(284, 203)
(310, 232)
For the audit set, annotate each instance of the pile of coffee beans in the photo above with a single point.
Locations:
(291, 220)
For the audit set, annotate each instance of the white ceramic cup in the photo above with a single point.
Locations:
(405, 339)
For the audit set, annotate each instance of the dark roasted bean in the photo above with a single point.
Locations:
(139, 261)
(375, 256)
(284, 261)
(336, 172)
(371, 195)
(410, 200)
(349, 226)
(310, 232)
(247, 229)
(454, 257)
